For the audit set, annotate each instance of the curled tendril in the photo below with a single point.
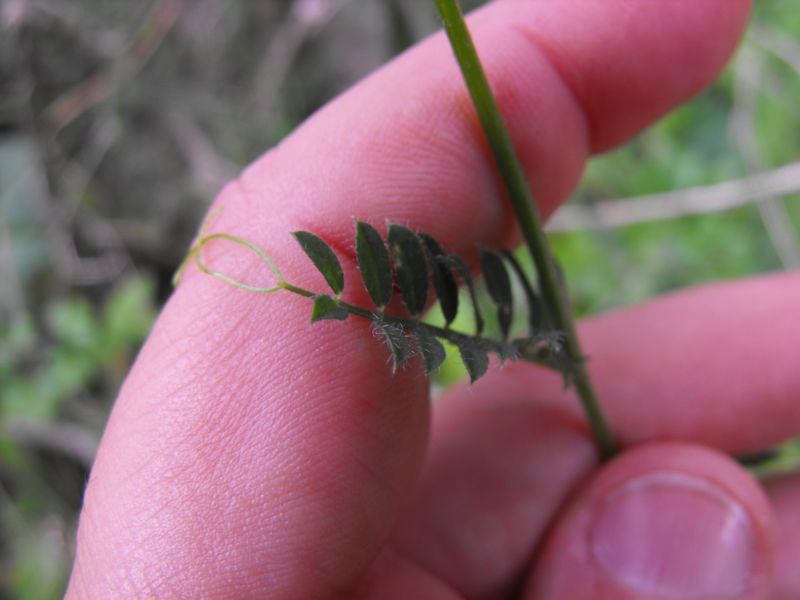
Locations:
(176, 278)
(210, 217)
(196, 254)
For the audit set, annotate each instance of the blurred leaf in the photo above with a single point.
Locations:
(459, 265)
(326, 307)
(22, 172)
(499, 286)
(129, 313)
(535, 312)
(432, 350)
(373, 262)
(10, 454)
(40, 565)
(410, 266)
(323, 258)
(72, 322)
(443, 281)
(475, 359)
(20, 337)
(34, 399)
(395, 337)
(69, 370)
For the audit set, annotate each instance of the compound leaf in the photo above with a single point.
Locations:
(323, 258)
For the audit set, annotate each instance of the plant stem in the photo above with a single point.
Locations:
(523, 204)
(452, 336)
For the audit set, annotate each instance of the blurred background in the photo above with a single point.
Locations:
(121, 119)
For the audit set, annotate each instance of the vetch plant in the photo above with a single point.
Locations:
(410, 261)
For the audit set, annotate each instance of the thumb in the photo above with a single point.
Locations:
(667, 520)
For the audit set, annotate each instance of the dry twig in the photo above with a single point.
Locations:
(717, 197)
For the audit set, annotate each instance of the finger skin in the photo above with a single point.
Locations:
(392, 577)
(571, 564)
(497, 471)
(507, 452)
(701, 365)
(784, 495)
(248, 452)
(719, 363)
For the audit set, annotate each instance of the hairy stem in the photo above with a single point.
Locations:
(528, 218)
(452, 336)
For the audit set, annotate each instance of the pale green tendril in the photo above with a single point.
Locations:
(197, 251)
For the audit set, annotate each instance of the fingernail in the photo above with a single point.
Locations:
(675, 536)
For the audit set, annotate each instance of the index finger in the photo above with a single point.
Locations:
(250, 452)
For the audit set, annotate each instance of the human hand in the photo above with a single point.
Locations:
(251, 455)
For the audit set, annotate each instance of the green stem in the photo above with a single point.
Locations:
(523, 204)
